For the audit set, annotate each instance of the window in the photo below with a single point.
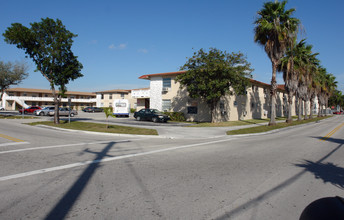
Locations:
(166, 82)
(122, 95)
(110, 96)
(102, 96)
(166, 104)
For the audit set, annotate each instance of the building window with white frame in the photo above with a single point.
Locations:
(166, 82)
(166, 105)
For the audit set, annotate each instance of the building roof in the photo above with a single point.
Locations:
(115, 91)
(148, 76)
(48, 91)
(161, 74)
(141, 89)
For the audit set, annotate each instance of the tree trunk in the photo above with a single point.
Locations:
(319, 108)
(300, 110)
(311, 108)
(290, 101)
(306, 109)
(2, 94)
(56, 119)
(273, 95)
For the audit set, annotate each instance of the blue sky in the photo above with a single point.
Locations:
(118, 41)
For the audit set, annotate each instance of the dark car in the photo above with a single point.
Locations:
(149, 114)
(29, 110)
(92, 109)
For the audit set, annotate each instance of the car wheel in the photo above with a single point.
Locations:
(71, 114)
(41, 113)
(155, 120)
(138, 118)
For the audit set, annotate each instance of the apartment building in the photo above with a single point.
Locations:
(16, 98)
(166, 95)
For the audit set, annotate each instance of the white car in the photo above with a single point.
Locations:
(44, 111)
(1, 108)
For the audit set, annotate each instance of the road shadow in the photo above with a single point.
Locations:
(328, 172)
(330, 139)
(65, 204)
(333, 178)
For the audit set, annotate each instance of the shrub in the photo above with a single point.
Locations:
(176, 116)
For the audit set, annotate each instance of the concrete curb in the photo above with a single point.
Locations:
(278, 130)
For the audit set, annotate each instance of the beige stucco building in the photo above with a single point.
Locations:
(107, 98)
(166, 95)
(16, 98)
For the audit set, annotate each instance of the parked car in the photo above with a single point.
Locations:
(29, 110)
(153, 115)
(64, 112)
(338, 112)
(44, 111)
(92, 109)
(1, 108)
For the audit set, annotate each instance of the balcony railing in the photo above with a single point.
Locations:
(49, 99)
(140, 93)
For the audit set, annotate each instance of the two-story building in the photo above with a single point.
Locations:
(167, 95)
(106, 98)
(16, 98)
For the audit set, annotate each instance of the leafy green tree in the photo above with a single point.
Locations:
(11, 74)
(211, 75)
(48, 43)
(275, 29)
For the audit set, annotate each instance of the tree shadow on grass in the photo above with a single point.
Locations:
(65, 204)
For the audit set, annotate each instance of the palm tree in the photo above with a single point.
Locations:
(295, 66)
(314, 64)
(328, 85)
(275, 30)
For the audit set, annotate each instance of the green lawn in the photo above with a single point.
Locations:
(265, 128)
(235, 123)
(16, 117)
(87, 126)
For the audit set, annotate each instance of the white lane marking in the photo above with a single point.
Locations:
(58, 146)
(68, 166)
(15, 143)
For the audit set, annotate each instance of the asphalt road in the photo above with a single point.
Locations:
(53, 174)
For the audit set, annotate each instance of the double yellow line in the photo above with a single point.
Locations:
(332, 132)
(10, 138)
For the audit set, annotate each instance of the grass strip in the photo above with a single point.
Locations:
(16, 117)
(96, 127)
(236, 123)
(265, 128)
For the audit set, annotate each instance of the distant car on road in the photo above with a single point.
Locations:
(338, 112)
(92, 109)
(44, 111)
(149, 114)
(29, 110)
(64, 112)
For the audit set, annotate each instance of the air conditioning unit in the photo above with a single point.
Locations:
(165, 89)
